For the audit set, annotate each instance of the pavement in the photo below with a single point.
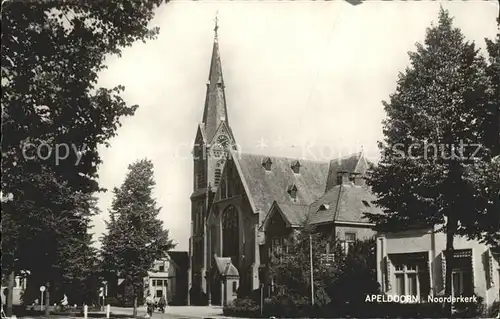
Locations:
(171, 312)
(176, 312)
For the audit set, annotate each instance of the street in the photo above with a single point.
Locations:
(177, 312)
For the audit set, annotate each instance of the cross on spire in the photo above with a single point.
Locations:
(216, 21)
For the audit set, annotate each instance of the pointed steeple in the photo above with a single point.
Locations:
(215, 101)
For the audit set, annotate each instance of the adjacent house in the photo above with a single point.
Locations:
(412, 262)
(169, 278)
(19, 288)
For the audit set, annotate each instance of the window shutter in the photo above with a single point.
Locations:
(387, 273)
(490, 280)
(443, 271)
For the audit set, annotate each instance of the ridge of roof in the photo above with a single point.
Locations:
(291, 159)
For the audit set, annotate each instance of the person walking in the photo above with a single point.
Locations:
(150, 303)
(162, 303)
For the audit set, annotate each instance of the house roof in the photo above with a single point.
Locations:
(354, 163)
(346, 203)
(180, 258)
(265, 187)
(294, 215)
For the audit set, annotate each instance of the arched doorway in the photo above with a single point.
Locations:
(230, 234)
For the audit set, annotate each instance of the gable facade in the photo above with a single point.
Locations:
(412, 262)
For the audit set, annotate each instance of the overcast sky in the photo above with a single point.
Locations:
(303, 79)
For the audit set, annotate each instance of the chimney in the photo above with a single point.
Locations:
(343, 178)
(358, 179)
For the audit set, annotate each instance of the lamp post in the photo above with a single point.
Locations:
(104, 293)
(311, 262)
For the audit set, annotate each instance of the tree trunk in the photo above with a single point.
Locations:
(450, 236)
(47, 299)
(10, 293)
(135, 306)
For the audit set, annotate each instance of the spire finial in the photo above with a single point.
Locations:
(216, 21)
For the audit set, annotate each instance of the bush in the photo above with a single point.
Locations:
(494, 310)
(242, 308)
(470, 310)
(113, 301)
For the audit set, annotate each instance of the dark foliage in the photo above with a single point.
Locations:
(52, 53)
(135, 237)
(440, 138)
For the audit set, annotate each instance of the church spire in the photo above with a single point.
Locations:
(215, 101)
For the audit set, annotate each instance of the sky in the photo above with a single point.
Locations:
(303, 80)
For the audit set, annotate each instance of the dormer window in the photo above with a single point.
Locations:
(266, 163)
(324, 207)
(292, 190)
(296, 167)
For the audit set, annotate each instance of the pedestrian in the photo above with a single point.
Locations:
(162, 303)
(150, 303)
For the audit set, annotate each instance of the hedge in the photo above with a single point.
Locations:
(286, 307)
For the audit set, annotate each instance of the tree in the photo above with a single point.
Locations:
(51, 56)
(135, 237)
(341, 283)
(435, 151)
(492, 127)
(358, 276)
(290, 269)
(493, 135)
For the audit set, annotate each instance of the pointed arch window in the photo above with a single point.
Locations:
(230, 234)
(223, 189)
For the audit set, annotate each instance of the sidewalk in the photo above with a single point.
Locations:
(195, 311)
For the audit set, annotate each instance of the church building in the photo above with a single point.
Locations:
(243, 205)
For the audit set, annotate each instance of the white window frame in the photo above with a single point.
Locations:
(278, 247)
(349, 242)
(328, 257)
(405, 271)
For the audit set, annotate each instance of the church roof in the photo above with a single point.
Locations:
(265, 187)
(346, 203)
